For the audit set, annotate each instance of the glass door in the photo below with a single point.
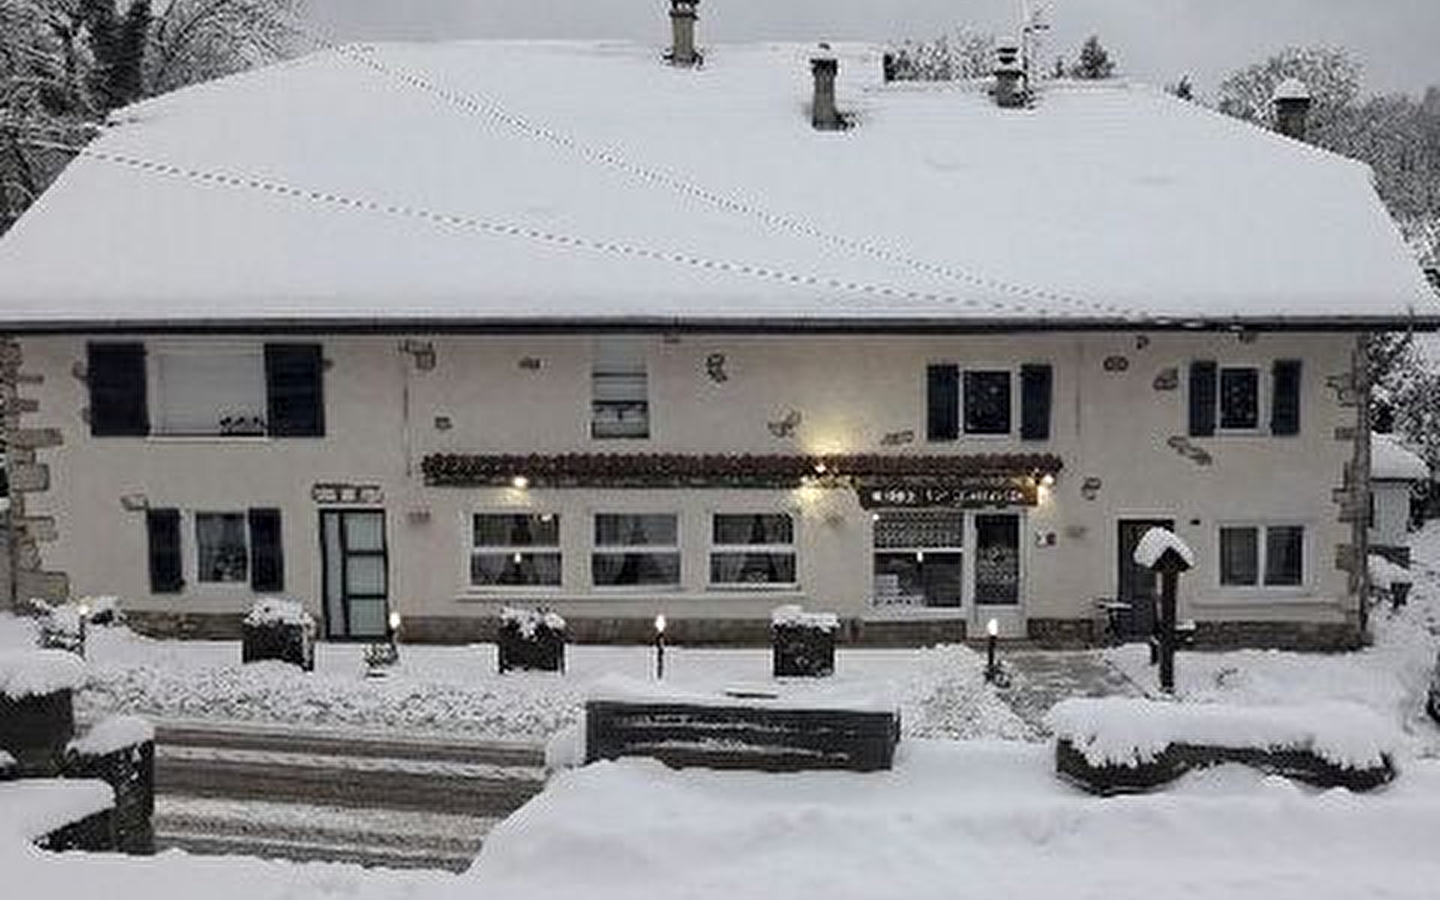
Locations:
(355, 573)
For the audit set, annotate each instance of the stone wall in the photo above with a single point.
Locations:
(25, 575)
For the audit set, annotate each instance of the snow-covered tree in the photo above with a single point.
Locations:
(964, 53)
(1094, 63)
(198, 40)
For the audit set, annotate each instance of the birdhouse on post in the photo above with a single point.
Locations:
(1162, 552)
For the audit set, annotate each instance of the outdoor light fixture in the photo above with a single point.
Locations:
(660, 647)
(518, 558)
(820, 468)
(1047, 480)
(992, 669)
(520, 482)
(394, 622)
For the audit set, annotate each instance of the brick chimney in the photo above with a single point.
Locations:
(1292, 102)
(682, 26)
(1009, 77)
(823, 113)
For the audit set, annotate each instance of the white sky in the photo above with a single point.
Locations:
(1397, 41)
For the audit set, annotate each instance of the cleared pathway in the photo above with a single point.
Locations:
(350, 796)
(1042, 678)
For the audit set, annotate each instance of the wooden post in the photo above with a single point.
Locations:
(1169, 586)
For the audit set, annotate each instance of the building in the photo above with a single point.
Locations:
(1393, 471)
(441, 328)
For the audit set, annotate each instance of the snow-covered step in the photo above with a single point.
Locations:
(352, 781)
(310, 832)
(348, 742)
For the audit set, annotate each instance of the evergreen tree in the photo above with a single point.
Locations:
(1183, 89)
(1095, 62)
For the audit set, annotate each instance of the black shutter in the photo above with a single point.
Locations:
(1285, 399)
(116, 376)
(294, 387)
(163, 527)
(1036, 387)
(1204, 375)
(267, 558)
(942, 393)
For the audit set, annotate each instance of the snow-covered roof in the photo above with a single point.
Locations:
(1391, 462)
(495, 183)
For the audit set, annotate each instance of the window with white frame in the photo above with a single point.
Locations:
(1262, 556)
(222, 548)
(209, 390)
(919, 558)
(1239, 398)
(515, 550)
(752, 550)
(620, 400)
(636, 549)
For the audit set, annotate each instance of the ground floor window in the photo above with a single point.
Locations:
(919, 558)
(515, 549)
(223, 548)
(1262, 555)
(752, 550)
(636, 549)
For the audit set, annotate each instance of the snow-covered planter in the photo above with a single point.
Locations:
(120, 751)
(1390, 580)
(61, 627)
(1118, 745)
(803, 644)
(531, 639)
(281, 629)
(37, 718)
(9, 767)
(104, 610)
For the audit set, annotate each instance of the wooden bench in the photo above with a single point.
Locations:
(741, 736)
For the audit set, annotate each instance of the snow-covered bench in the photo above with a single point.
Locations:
(758, 730)
(1118, 745)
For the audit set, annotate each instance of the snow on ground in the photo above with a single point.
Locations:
(957, 820)
(1389, 677)
(940, 691)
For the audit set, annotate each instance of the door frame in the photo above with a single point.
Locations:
(342, 634)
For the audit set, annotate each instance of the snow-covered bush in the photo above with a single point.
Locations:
(803, 644)
(531, 639)
(277, 628)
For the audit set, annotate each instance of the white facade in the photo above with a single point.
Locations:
(1118, 427)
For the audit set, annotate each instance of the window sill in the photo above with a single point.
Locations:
(1278, 596)
(752, 588)
(899, 612)
(209, 438)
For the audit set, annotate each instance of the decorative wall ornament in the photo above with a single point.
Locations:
(1090, 487)
(1195, 454)
(1142, 341)
(715, 368)
(1167, 379)
(444, 423)
(423, 352)
(334, 492)
(1116, 364)
(898, 438)
(785, 428)
(134, 502)
(531, 363)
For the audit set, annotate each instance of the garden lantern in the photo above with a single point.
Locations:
(660, 647)
(992, 668)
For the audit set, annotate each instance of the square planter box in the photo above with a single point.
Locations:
(802, 651)
(289, 642)
(35, 730)
(542, 650)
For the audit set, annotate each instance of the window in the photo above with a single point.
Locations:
(987, 402)
(919, 558)
(209, 391)
(223, 548)
(620, 406)
(515, 549)
(1239, 399)
(636, 549)
(749, 550)
(1251, 553)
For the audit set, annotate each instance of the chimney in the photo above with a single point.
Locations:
(1009, 77)
(1292, 108)
(823, 113)
(682, 25)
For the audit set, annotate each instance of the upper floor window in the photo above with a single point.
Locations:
(982, 402)
(205, 389)
(619, 403)
(752, 550)
(1234, 398)
(633, 549)
(515, 549)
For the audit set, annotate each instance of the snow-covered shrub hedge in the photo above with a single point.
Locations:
(531, 639)
(802, 644)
